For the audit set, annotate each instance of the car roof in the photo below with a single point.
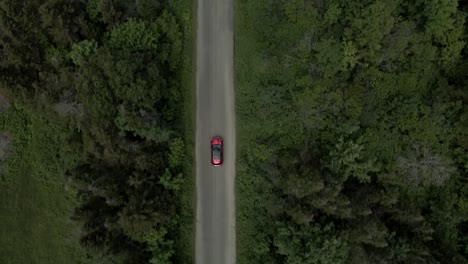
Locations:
(216, 154)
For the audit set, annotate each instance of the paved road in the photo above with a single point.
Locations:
(215, 223)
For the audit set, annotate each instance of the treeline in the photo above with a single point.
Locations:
(361, 154)
(108, 69)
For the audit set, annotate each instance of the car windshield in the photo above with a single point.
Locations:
(216, 152)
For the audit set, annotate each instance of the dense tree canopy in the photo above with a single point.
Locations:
(108, 69)
(362, 141)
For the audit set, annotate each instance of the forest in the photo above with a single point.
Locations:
(105, 82)
(360, 151)
(358, 155)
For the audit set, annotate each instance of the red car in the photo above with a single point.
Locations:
(216, 151)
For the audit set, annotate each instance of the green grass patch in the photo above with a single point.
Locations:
(186, 234)
(247, 70)
(36, 205)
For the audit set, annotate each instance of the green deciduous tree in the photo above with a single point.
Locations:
(310, 244)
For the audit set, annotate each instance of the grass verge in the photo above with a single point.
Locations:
(247, 71)
(186, 234)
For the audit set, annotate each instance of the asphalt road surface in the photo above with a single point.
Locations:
(215, 219)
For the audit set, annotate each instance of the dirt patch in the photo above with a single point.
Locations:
(4, 103)
(5, 140)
